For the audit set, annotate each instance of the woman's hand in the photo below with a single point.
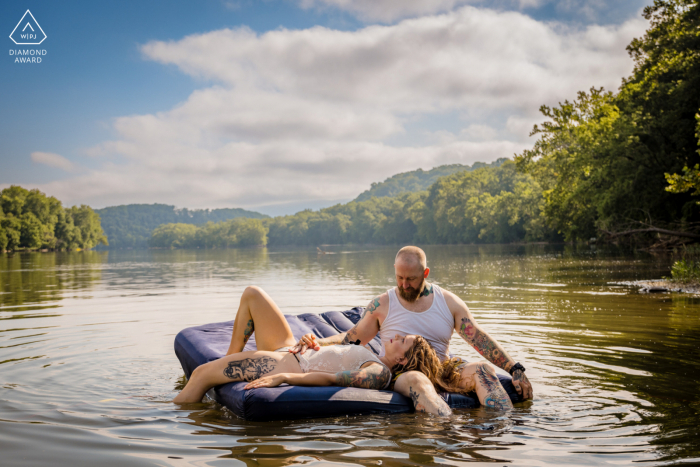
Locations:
(269, 381)
(308, 341)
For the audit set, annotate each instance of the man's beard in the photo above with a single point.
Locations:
(411, 295)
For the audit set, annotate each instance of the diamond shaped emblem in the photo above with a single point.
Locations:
(28, 31)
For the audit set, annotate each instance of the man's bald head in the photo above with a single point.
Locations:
(412, 255)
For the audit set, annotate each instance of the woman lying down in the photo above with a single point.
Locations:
(334, 365)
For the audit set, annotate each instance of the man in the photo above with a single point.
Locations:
(416, 307)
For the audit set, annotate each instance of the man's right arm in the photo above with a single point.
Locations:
(364, 331)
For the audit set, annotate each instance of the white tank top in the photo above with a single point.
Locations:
(337, 358)
(435, 324)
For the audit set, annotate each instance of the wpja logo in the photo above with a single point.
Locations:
(28, 32)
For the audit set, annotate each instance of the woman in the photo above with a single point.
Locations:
(272, 364)
(337, 365)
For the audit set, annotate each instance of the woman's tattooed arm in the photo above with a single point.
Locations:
(371, 377)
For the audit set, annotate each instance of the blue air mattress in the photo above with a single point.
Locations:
(201, 344)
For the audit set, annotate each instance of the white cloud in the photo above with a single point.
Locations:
(53, 160)
(306, 115)
(471, 57)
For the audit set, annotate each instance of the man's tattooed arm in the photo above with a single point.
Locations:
(371, 377)
(249, 369)
(496, 397)
(373, 305)
(350, 336)
(484, 344)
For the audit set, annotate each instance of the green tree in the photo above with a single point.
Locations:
(31, 231)
(601, 159)
(11, 227)
(85, 219)
(690, 180)
(173, 236)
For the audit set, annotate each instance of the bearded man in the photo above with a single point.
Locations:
(415, 306)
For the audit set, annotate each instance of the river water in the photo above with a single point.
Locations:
(87, 368)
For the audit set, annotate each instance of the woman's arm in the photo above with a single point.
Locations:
(373, 376)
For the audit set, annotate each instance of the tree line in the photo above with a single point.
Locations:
(488, 205)
(31, 220)
(131, 226)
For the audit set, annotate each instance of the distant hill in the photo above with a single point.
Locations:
(131, 225)
(418, 180)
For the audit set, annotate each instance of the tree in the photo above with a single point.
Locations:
(690, 180)
(601, 159)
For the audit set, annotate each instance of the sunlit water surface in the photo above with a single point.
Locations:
(87, 368)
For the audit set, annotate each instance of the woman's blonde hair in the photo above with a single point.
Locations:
(422, 357)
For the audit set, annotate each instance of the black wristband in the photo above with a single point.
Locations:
(516, 367)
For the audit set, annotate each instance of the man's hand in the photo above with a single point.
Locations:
(522, 385)
(270, 381)
(308, 341)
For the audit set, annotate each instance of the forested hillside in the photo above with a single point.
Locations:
(418, 180)
(131, 226)
(487, 205)
(31, 220)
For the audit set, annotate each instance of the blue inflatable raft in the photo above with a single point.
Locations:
(201, 344)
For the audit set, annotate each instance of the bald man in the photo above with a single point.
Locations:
(415, 306)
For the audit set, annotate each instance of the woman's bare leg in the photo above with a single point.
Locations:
(244, 366)
(482, 378)
(258, 312)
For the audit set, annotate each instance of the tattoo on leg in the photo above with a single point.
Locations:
(248, 331)
(482, 342)
(496, 396)
(249, 369)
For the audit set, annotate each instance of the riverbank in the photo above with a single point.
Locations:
(664, 285)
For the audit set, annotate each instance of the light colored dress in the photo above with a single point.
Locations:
(336, 358)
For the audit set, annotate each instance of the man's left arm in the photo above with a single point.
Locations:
(467, 327)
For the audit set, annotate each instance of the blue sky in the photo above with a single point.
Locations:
(282, 105)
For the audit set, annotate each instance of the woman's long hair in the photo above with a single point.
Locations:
(422, 357)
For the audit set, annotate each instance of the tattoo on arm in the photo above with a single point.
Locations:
(519, 376)
(248, 331)
(249, 369)
(371, 377)
(496, 396)
(373, 305)
(350, 336)
(483, 343)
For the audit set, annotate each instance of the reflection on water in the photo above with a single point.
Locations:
(87, 368)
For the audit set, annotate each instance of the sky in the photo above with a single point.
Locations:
(283, 105)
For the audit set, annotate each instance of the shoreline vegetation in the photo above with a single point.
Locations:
(608, 167)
